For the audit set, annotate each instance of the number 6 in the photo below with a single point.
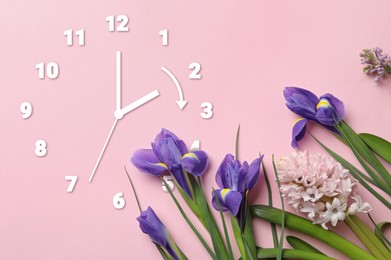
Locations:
(119, 201)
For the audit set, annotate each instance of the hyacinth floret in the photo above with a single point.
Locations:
(376, 63)
(320, 187)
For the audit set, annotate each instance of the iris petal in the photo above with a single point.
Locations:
(221, 175)
(253, 173)
(330, 109)
(167, 151)
(181, 179)
(298, 131)
(151, 225)
(239, 182)
(195, 162)
(229, 200)
(146, 161)
(301, 102)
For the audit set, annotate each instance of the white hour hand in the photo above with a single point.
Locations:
(139, 102)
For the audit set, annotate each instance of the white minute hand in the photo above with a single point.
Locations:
(139, 102)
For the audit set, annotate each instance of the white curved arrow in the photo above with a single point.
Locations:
(181, 102)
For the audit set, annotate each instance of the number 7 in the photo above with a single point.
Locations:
(73, 180)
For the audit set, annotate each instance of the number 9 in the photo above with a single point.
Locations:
(27, 109)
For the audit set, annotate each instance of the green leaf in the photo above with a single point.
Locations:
(281, 244)
(134, 190)
(379, 231)
(355, 173)
(248, 233)
(188, 221)
(270, 203)
(215, 235)
(237, 144)
(362, 231)
(238, 237)
(379, 145)
(305, 226)
(227, 239)
(300, 244)
(163, 252)
(291, 253)
(362, 150)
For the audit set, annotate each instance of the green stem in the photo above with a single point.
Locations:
(374, 245)
(291, 253)
(188, 221)
(305, 226)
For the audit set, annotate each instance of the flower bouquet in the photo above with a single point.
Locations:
(321, 189)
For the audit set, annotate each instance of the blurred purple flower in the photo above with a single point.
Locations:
(235, 181)
(376, 62)
(326, 111)
(169, 153)
(151, 225)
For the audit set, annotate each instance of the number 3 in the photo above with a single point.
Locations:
(207, 113)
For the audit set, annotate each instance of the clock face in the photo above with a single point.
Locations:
(85, 85)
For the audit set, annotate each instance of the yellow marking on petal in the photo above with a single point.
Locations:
(323, 103)
(162, 165)
(224, 192)
(297, 120)
(189, 155)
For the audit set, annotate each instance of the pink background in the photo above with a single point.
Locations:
(249, 51)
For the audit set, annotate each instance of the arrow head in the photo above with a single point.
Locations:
(181, 103)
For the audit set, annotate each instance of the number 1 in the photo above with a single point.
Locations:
(164, 34)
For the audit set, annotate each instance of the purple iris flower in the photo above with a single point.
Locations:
(151, 225)
(169, 153)
(326, 111)
(235, 180)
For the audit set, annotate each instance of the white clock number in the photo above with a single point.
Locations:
(164, 34)
(51, 70)
(40, 148)
(72, 184)
(169, 181)
(121, 19)
(80, 34)
(195, 67)
(195, 145)
(207, 113)
(27, 109)
(119, 201)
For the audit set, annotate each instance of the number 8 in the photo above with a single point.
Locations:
(40, 148)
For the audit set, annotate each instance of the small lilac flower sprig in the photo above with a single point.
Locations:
(319, 186)
(376, 62)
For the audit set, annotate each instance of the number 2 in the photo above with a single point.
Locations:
(196, 67)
